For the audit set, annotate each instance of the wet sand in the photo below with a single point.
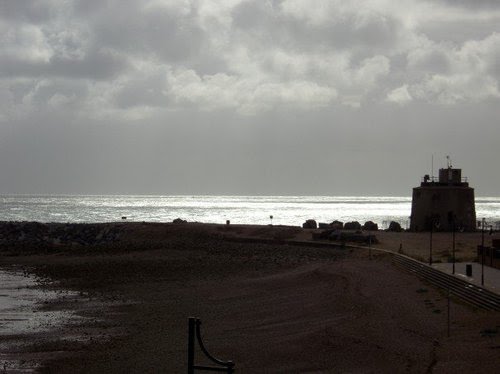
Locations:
(270, 308)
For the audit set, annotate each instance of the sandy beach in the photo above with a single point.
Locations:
(271, 308)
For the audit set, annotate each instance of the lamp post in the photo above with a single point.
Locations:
(434, 222)
(430, 243)
(453, 247)
(482, 252)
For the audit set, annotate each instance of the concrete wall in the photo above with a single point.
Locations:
(440, 203)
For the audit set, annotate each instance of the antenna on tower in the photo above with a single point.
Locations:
(432, 166)
(448, 159)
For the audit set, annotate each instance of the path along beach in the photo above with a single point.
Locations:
(270, 308)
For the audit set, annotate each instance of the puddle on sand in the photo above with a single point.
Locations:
(20, 300)
(22, 317)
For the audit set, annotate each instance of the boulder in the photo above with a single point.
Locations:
(27, 235)
(337, 225)
(370, 226)
(394, 226)
(179, 221)
(355, 225)
(310, 224)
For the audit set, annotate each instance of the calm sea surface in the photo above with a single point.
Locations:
(286, 210)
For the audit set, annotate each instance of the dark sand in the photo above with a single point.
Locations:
(270, 308)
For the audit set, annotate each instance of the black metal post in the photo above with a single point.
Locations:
(490, 253)
(191, 337)
(482, 252)
(448, 312)
(453, 248)
(430, 244)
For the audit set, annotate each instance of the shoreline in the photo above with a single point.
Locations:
(289, 210)
(267, 307)
(19, 236)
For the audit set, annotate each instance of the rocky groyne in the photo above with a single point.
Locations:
(35, 235)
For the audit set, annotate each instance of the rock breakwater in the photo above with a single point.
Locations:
(35, 235)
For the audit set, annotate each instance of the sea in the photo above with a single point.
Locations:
(262, 210)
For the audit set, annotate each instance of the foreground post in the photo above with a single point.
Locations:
(448, 312)
(453, 272)
(430, 245)
(482, 252)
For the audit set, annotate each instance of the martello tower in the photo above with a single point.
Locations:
(443, 203)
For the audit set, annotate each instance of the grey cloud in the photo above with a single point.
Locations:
(435, 61)
(173, 97)
(270, 26)
(85, 8)
(492, 59)
(342, 56)
(44, 92)
(96, 64)
(252, 15)
(494, 66)
(157, 33)
(18, 89)
(11, 67)
(144, 91)
(29, 11)
(458, 31)
(474, 5)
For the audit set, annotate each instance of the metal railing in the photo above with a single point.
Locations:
(435, 179)
(466, 291)
(195, 334)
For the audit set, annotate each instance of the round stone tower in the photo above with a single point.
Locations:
(443, 203)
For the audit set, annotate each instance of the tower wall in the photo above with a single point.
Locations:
(442, 203)
(450, 175)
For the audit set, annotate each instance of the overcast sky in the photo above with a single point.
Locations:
(247, 97)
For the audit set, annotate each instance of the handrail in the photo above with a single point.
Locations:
(435, 179)
(195, 332)
(204, 349)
